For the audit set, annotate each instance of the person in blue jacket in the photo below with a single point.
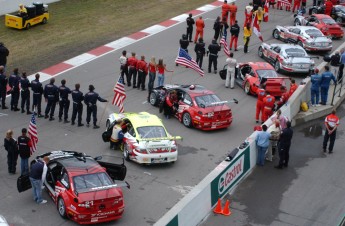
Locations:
(315, 87)
(326, 78)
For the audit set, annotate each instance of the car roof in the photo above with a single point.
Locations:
(260, 65)
(143, 119)
(287, 46)
(303, 28)
(198, 90)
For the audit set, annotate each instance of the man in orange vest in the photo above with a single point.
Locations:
(225, 10)
(233, 11)
(284, 97)
(293, 87)
(199, 28)
(261, 93)
(268, 103)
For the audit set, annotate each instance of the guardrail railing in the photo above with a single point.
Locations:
(337, 89)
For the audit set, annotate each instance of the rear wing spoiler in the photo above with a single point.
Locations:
(221, 103)
(161, 138)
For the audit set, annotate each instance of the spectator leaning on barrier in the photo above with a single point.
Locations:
(326, 78)
(293, 87)
(262, 141)
(331, 123)
(281, 118)
(335, 63)
(315, 87)
(342, 63)
(284, 97)
(284, 146)
(275, 131)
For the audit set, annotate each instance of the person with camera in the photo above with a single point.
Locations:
(213, 50)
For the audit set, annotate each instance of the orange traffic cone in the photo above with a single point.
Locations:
(218, 208)
(226, 211)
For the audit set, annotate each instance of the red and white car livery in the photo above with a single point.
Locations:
(287, 57)
(83, 188)
(147, 141)
(308, 37)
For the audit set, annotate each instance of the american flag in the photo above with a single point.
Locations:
(284, 3)
(120, 94)
(184, 59)
(33, 135)
(225, 45)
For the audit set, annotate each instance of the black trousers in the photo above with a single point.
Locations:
(3, 97)
(124, 71)
(36, 102)
(199, 59)
(216, 34)
(63, 108)
(77, 109)
(331, 139)
(132, 73)
(12, 158)
(25, 95)
(212, 59)
(141, 79)
(14, 99)
(50, 107)
(341, 72)
(246, 45)
(189, 33)
(91, 109)
(284, 155)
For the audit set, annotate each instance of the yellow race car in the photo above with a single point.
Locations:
(36, 14)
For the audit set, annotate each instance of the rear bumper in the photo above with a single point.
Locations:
(295, 70)
(164, 157)
(221, 124)
(317, 48)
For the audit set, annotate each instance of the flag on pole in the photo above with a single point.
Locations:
(33, 135)
(120, 94)
(184, 59)
(266, 7)
(225, 46)
(256, 28)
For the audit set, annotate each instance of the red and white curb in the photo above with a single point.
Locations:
(84, 58)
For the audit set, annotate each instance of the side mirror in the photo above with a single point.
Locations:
(97, 158)
(178, 138)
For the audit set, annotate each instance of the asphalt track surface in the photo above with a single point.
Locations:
(154, 189)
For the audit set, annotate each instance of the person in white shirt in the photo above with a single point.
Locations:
(230, 75)
(124, 66)
(275, 131)
(37, 176)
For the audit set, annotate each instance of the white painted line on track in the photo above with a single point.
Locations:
(206, 8)
(2, 114)
(154, 29)
(120, 43)
(75, 61)
(43, 77)
(181, 17)
(145, 102)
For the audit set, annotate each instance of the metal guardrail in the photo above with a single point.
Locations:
(337, 89)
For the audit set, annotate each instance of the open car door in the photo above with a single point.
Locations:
(23, 183)
(115, 171)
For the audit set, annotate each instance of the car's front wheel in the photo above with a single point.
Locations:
(107, 124)
(300, 43)
(260, 52)
(187, 120)
(153, 98)
(125, 152)
(314, 11)
(277, 66)
(276, 34)
(62, 208)
(339, 20)
(247, 88)
(44, 21)
(297, 22)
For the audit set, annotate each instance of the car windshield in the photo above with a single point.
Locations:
(342, 9)
(313, 33)
(151, 131)
(267, 73)
(328, 21)
(295, 52)
(84, 183)
(207, 100)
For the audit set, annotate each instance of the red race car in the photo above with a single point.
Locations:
(197, 106)
(82, 187)
(250, 75)
(323, 22)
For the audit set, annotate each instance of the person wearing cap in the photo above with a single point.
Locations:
(51, 95)
(315, 87)
(331, 123)
(22, 11)
(91, 102)
(190, 22)
(24, 145)
(4, 52)
(38, 172)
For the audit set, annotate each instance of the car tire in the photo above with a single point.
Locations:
(247, 88)
(300, 44)
(153, 99)
(61, 208)
(126, 152)
(187, 120)
(107, 124)
(28, 26)
(297, 22)
(339, 20)
(277, 66)
(44, 21)
(314, 11)
(275, 34)
(260, 52)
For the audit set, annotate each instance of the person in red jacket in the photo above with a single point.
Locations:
(199, 28)
(296, 5)
(142, 69)
(170, 106)
(225, 10)
(331, 123)
(132, 70)
(268, 103)
(233, 11)
(293, 87)
(261, 93)
(328, 7)
(284, 97)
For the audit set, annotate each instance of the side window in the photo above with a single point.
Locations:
(277, 49)
(65, 180)
(131, 131)
(187, 99)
